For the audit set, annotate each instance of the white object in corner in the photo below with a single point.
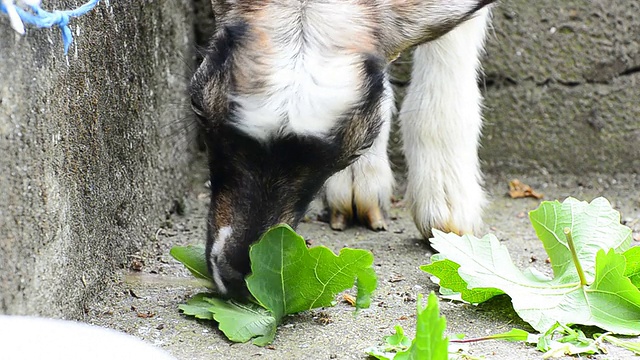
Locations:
(31, 338)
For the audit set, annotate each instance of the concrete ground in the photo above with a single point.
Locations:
(144, 302)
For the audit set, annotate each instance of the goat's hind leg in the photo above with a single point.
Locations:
(441, 122)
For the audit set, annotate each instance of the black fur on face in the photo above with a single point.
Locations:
(256, 184)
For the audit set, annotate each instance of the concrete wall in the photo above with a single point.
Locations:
(563, 87)
(93, 148)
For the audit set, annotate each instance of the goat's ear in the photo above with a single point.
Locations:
(407, 23)
(211, 83)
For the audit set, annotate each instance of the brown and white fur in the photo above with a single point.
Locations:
(294, 97)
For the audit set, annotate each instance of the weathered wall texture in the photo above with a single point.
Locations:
(93, 147)
(563, 87)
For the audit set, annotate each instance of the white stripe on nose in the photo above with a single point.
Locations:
(218, 246)
(217, 279)
(223, 234)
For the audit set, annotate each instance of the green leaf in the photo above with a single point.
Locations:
(512, 335)
(446, 271)
(394, 343)
(608, 300)
(287, 277)
(560, 349)
(366, 283)
(193, 258)
(429, 343)
(243, 322)
(560, 340)
(632, 346)
(632, 271)
(197, 306)
(593, 226)
(611, 302)
(398, 341)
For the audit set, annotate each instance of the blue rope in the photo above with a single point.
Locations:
(45, 19)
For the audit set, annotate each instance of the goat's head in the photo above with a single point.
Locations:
(289, 93)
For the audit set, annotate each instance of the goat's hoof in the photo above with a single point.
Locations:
(338, 221)
(374, 218)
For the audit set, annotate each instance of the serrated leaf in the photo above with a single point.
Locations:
(287, 277)
(611, 302)
(243, 322)
(594, 226)
(607, 298)
(632, 270)
(429, 343)
(193, 258)
(197, 306)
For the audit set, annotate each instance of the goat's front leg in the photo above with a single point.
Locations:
(441, 123)
(363, 190)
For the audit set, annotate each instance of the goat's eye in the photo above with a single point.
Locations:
(196, 109)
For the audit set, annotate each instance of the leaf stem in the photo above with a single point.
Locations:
(629, 345)
(471, 340)
(574, 256)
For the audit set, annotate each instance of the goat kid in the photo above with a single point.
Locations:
(294, 96)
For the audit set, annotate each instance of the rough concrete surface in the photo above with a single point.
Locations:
(144, 303)
(93, 148)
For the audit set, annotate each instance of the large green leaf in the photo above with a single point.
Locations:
(287, 277)
(594, 226)
(608, 300)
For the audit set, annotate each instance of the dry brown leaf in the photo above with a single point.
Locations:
(145, 315)
(518, 189)
(349, 299)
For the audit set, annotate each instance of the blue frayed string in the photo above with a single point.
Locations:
(44, 19)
